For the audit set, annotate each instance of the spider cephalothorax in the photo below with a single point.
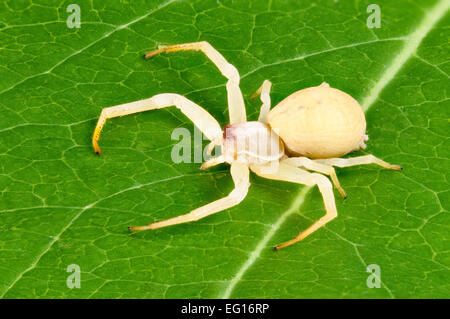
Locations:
(314, 126)
(249, 143)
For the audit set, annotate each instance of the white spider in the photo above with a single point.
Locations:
(314, 126)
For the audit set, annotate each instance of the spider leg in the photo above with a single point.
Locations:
(263, 91)
(236, 105)
(294, 174)
(240, 175)
(359, 160)
(318, 167)
(199, 116)
(213, 162)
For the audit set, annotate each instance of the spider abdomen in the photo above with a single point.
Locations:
(319, 122)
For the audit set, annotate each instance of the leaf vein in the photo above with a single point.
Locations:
(409, 49)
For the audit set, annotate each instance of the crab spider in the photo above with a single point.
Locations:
(298, 141)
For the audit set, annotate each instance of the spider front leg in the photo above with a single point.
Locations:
(240, 175)
(360, 160)
(318, 167)
(264, 92)
(236, 105)
(294, 174)
(199, 116)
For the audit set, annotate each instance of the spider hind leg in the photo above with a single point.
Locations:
(359, 160)
(318, 167)
(294, 174)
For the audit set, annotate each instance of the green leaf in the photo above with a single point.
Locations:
(60, 204)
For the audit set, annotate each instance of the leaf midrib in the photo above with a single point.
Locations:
(253, 256)
(412, 42)
(426, 25)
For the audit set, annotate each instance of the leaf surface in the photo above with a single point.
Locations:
(60, 204)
